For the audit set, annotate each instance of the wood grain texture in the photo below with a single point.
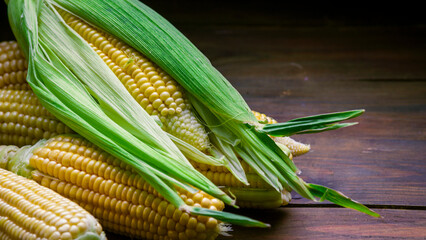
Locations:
(326, 223)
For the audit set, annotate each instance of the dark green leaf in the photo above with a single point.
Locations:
(229, 217)
(338, 198)
(311, 124)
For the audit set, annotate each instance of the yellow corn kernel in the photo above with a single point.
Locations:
(13, 67)
(31, 211)
(23, 120)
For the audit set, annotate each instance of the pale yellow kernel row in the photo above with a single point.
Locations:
(23, 120)
(14, 65)
(9, 50)
(17, 140)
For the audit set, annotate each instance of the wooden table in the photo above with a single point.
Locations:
(291, 71)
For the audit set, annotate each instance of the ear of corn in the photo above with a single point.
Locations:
(112, 191)
(125, 130)
(31, 211)
(154, 90)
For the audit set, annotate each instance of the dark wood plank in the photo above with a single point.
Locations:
(330, 223)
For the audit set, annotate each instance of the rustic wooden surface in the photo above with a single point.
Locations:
(290, 69)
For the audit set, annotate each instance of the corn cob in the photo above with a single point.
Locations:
(13, 67)
(31, 211)
(114, 193)
(149, 85)
(23, 120)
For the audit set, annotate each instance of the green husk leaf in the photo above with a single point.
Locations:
(339, 198)
(228, 217)
(5, 153)
(19, 163)
(329, 127)
(91, 236)
(222, 139)
(233, 164)
(311, 124)
(284, 148)
(331, 117)
(268, 156)
(273, 145)
(267, 175)
(193, 153)
(213, 123)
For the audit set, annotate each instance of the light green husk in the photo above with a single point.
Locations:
(82, 92)
(19, 163)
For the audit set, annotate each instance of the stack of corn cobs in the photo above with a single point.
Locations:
(108, 105)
